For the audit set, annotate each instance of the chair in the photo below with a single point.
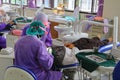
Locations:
(116, 72)
(71, 66)
(18, 73)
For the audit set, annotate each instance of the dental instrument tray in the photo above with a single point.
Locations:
(95, 58)
(92, 60)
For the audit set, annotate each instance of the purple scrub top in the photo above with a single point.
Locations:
(30, 52)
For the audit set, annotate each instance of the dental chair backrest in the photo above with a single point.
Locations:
(116, 72)
(19, 73)
(116, 53)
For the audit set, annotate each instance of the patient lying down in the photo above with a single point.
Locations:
(86, 43)
(65, 55)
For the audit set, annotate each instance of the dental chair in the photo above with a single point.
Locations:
(18, 73)
(75, 66)
(102, 71)
(116, 72)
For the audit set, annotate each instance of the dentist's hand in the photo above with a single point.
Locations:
(49, 49)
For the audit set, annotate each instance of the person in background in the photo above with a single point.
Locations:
(4, 27)
(40, 16)
(31, 52)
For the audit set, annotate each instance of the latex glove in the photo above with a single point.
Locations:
(49, 49)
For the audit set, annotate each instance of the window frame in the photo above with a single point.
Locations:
(52, 6)
(76, 4)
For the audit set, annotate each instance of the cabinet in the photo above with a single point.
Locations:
(54, 33)
(54, 22)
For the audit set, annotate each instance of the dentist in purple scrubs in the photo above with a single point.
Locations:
(5, 27)
(47, 38)
(2, 39)
(31, 52)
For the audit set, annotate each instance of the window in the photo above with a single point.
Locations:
(95, 8)
(5, 1)
(24, 2)
(17, 2)
(70, 4)
(39, 3)
(89, 6)
(47, 3)
(12, 2)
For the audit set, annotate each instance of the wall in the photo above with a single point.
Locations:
(30, 13)
(111, 9)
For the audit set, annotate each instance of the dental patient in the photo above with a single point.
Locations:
(87, 43)
(31, 52)
(65, 55)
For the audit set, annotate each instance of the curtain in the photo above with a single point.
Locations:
(31, 4)
(0, 2)
(100, 8)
